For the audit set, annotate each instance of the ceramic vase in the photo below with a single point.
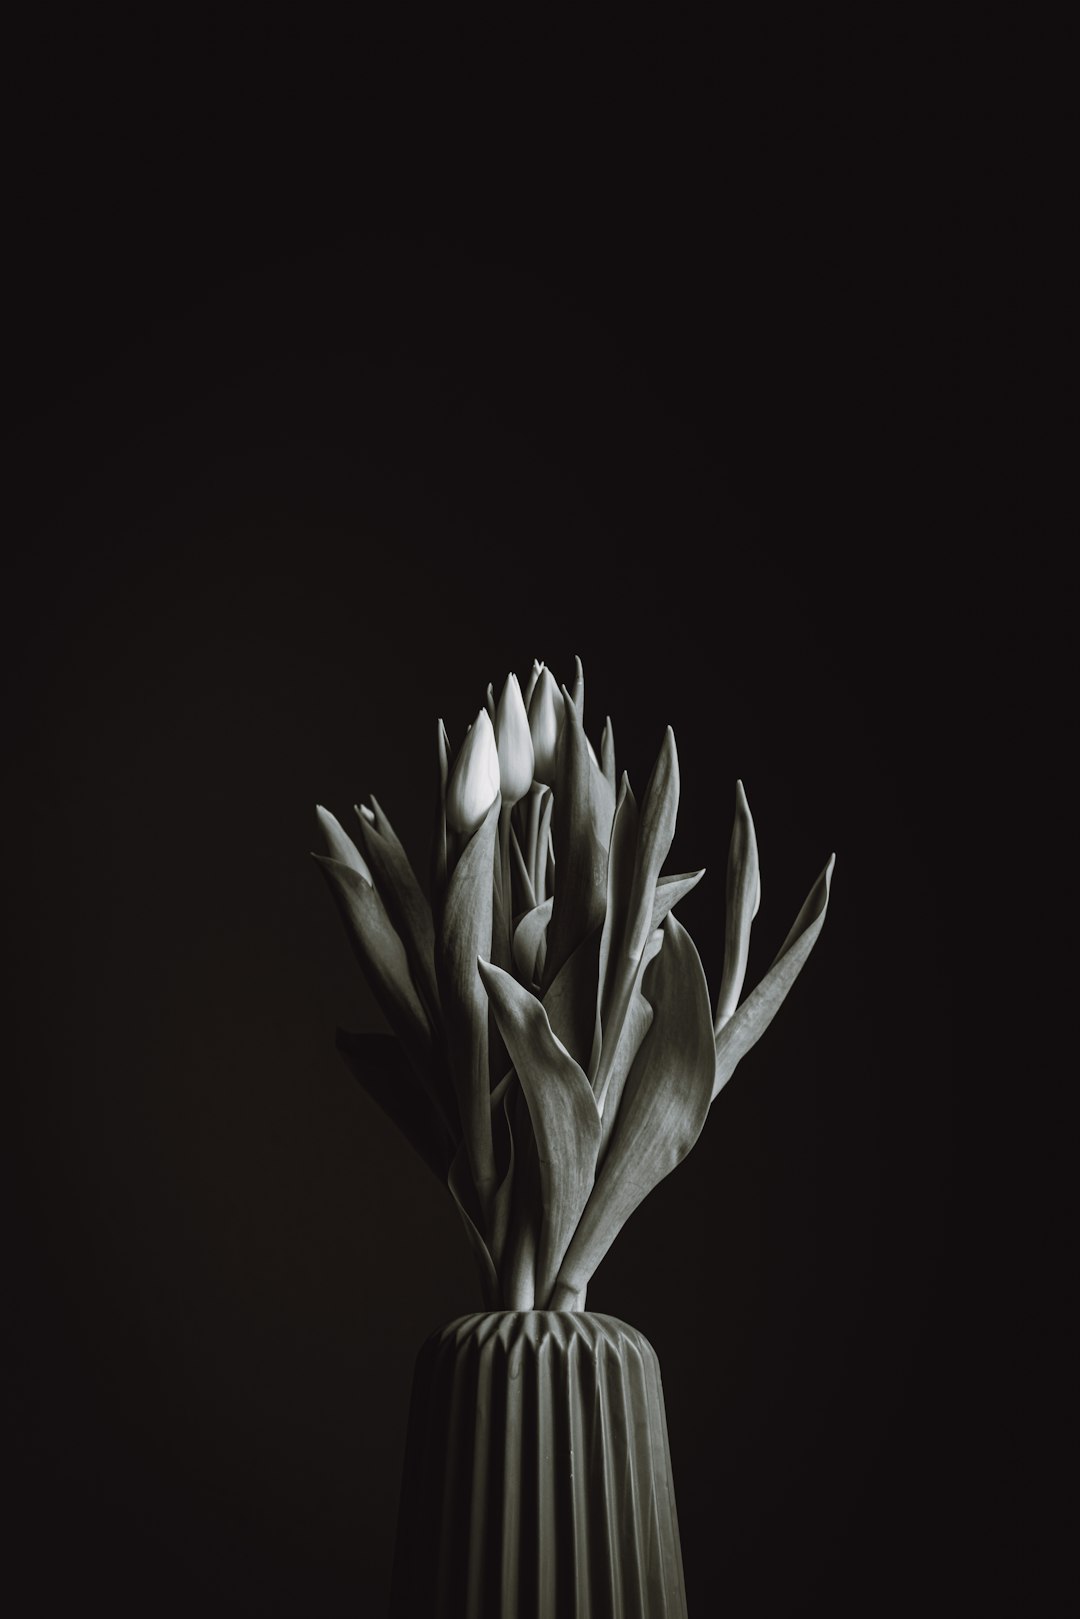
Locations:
(537, 1477)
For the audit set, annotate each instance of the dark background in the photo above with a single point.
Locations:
(297, 469)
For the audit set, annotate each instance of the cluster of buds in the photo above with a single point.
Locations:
(555, 1049)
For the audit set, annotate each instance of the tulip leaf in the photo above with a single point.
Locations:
(753, 1017)
(543, 840)
(380, 1065)
(386, 967)
(464, 1195)
(611, 974)
(564, 1117)
(465, 934)
(656, 829)
(664, 1105)
(501, 1109)
(405, 901)
(570, 999)
(577, 696)
(624, 1041)
(521, 879)
(580, 861)
(743, 895)
(528, 936)
(607, 754)
(670, 890)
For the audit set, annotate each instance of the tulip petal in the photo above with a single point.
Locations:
(664, 1104)
(741, 902)
(464, 934)
(405, 901)
(380, 1065)
(338, 843)
(753, 1017)
(563, 1111)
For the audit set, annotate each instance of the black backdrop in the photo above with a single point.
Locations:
(284, 496)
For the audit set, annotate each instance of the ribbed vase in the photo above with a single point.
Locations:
(537, 1479)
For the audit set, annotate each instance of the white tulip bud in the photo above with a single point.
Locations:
(474, 781)
(514, 743)
(546, 714)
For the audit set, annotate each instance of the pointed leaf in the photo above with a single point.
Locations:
(664, 1105)
(670, 890)
(463, 1193)
(577, 696)
(528, 936)
(741, 902)
(753, 1017)
(612, 991)
(380, 1065)
(570, 999)
(382, 956)
(623, 1047)
(405, 902)
(524, 898)
(563, 1113)
(580, 861)
(656, 829)
(465, 934)
(607, 753)
(543, 844)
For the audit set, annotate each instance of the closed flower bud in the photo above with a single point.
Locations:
(474, 780)
(514, 742)
(546, 712)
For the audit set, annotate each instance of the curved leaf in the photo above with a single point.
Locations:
(463, 1193)
(656, 829)
(528, 936)
(465, 934)
(607, 753)
(382, 956)
(405, 901)
(633, 1023)
(670, 890)
(753, 1017)
(570, 1000)
(613, 978)
(741, 905)
(580, 862)
(563, 1111)
(664, 1105)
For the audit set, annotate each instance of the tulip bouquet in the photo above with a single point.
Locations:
(555, 1050)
